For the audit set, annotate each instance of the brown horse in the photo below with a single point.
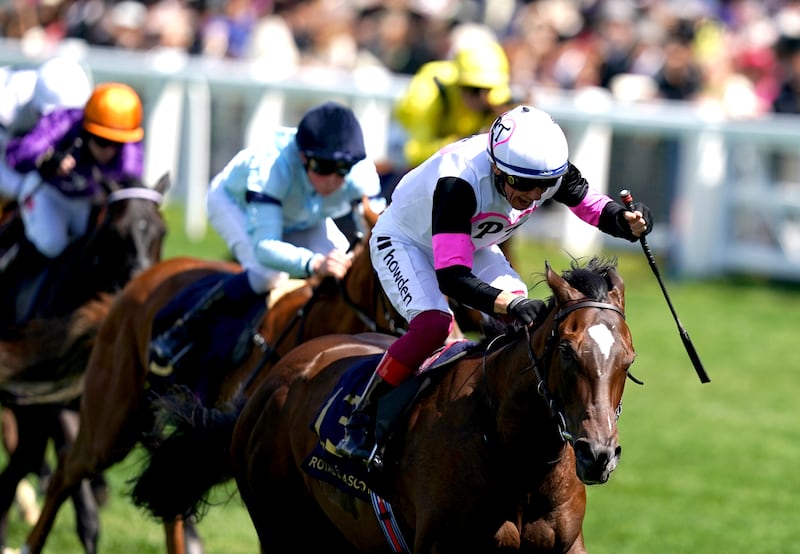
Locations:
(43, 357)
(494, 456)
(116, 405)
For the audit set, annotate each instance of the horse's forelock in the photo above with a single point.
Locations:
(592, 279)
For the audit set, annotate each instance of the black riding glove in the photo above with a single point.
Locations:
(646, 213)
(524, 309)
(49, 164)
(613, 222)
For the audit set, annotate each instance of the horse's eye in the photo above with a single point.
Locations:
(566, 351)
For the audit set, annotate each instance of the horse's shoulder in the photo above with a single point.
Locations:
(326, 349)
(185, 263)
(381, 340)
(289, 289)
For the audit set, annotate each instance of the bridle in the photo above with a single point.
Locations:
(140, 193)
(368, 320)
(114, 196)
(538, 364)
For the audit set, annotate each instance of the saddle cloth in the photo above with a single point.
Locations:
(221, 341)
(350, 475)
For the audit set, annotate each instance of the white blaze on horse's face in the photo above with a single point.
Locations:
(603, 337)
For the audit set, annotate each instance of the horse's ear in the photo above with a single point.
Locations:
(370, 216)
(617, 292)
(163, 183)
(562, 290)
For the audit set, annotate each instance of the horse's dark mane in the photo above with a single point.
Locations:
(590, 278)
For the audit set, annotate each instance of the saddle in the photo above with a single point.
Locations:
(351, 475)
(221, 341)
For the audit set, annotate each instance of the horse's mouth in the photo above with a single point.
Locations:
(594, 464)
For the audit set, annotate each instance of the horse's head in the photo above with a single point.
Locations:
(587, 355)
(130, 231)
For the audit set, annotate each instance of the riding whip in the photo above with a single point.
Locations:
(627, 201)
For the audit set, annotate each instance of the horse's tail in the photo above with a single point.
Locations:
(188, 453)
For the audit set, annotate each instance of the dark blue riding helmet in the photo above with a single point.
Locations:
(331, 132)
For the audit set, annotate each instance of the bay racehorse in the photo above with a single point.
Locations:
(43, 355)
(493, 455)
(119, 388)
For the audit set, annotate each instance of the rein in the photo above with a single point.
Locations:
(270, 351)
(366, 319)
(363, 316)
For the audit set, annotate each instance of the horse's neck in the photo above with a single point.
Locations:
(522, 419)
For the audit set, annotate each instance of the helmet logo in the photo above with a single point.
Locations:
(501, 132)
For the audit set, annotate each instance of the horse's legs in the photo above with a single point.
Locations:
(69, 421)
(101, 441)
(193, 542)
(87, 520)
(73, 465)
(23, 459)
(25, 494)
(8, 425)
(173, 530)
(182, 537)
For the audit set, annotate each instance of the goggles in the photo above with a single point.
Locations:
(326, 167)
(475, 91)
(523, 184)
(104, 142)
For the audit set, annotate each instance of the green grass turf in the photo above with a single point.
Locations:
(706, 468)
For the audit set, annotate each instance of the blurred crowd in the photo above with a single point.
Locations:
(742, 56)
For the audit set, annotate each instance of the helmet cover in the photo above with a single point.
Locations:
(526, 142)
(60, 83)
(483, 64)
(114, 112)
(331, 131)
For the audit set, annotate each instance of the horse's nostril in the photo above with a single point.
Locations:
(583, 450)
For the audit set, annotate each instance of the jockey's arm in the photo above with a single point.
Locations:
(454, 204)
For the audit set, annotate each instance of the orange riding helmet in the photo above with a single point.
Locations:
(114, 112)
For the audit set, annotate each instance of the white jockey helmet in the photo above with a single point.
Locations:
(61, 83)
(527, 144)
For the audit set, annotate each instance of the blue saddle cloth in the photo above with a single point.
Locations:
(350, 475)
(323, 462)
(221, 341)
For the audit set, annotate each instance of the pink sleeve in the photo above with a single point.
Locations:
(591, 206)
(452, 249)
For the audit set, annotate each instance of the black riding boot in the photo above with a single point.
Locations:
(171, 345)
(359, 437)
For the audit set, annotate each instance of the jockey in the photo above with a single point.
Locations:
(275, 206)
(439, 237)
(68, 147)
(28, 94)
(450, 99)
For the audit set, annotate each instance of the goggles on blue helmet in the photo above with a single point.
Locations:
(327, 167)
